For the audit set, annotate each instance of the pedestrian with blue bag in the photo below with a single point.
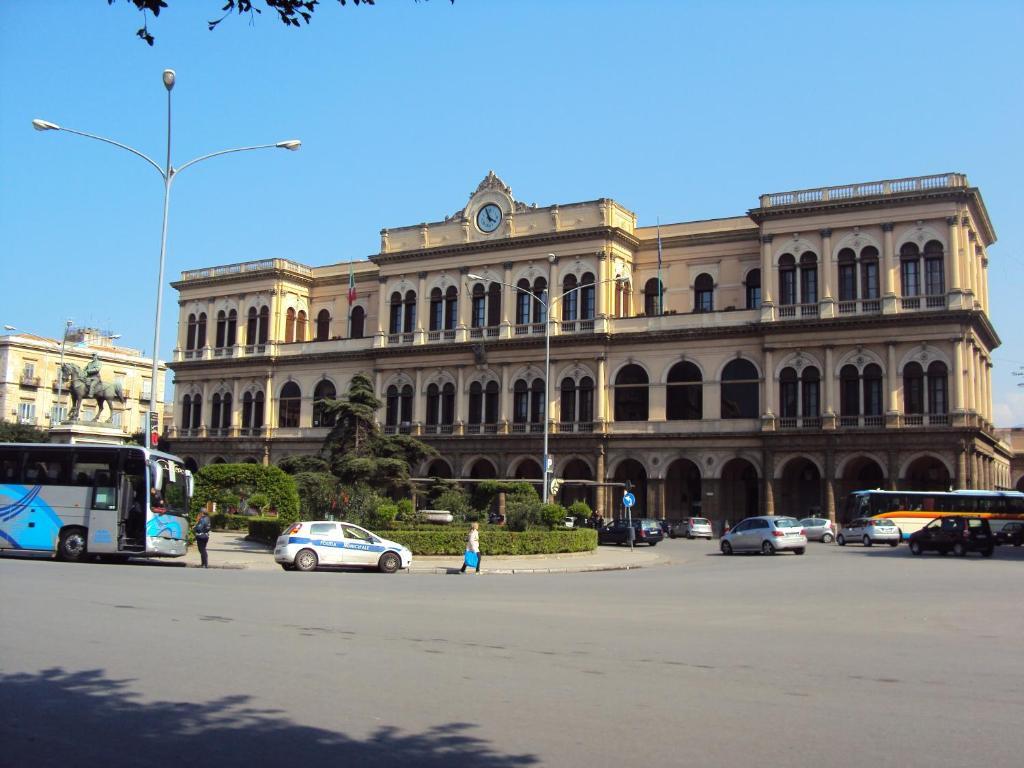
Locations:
(472, 557)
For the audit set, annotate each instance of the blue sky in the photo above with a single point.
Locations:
(677, 110)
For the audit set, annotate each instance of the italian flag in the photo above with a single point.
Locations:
(351, 284)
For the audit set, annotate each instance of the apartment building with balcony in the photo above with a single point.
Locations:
(826, 340)
(31, 391)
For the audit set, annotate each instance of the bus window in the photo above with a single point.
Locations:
(928, 503)
(97, 469)
(10, 465)
(46, 468)
(1015, 505)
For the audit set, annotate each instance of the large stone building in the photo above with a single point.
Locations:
(827, 340)
(31, 391)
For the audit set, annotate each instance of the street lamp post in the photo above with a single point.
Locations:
(167, 173)
(60, 376)
(547, 354)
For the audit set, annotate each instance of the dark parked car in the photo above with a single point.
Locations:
(1011, 533)
(956, 534)
(645, 531)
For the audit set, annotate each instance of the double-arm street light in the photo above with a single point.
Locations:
(167, 173)
(546, 304)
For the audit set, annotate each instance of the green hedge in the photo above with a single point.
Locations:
(222, 522)
(265, 529)
(452, 541)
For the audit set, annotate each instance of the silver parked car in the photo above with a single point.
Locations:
(766, 534)
(692, 528)
(818, 529)
(870, 530)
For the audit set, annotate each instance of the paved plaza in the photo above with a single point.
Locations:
(843, 657)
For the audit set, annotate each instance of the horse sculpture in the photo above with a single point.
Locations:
(79, 388)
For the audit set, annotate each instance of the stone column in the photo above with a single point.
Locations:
(769, 483)
(983, 277)
(236, 409)
(461, 399)
(828, 274)
(961, 466)
(465, 304)
(976, 378)
(888, 270)
(269, 405)
(892, 379)
(769, 386)
(601, 289)
(975, 471)
(504, 399)
(508, 301)
(828, 379)
(601, 391)
(711, 508)
(422, 307)
(767, 279)
(953, 263)
(893, 480)
(382, 307)
(988, 390)
(967, 262)
(554, 294)
(958, 375)
(418, 404)
(655, 498)
(830, 485)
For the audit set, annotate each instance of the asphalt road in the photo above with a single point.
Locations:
(843, 657)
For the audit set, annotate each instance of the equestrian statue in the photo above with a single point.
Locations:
(87, 384)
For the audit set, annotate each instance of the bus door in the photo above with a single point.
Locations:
(94, 473)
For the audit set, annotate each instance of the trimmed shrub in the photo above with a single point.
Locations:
(223, 482)
(496, 541)
(382, 518)
(456, 501)
(406, 510)
(222, 522)
(265, 529)
(580, 510)
(550, 515)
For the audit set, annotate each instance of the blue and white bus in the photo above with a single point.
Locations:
(85, 500)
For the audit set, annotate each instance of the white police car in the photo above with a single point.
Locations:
(306, 545)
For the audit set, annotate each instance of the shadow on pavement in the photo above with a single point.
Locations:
(57, 717)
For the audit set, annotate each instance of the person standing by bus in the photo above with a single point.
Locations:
(202, 531)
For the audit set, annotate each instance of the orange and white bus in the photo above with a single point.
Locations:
(912, 510)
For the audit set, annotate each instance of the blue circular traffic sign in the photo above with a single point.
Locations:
(628, 499)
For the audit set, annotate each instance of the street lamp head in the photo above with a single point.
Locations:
(44, 125)
(473, 276)
(292, 145)
(10, 328)
(168, 79)
(551, 258)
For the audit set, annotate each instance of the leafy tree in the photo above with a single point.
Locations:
(381, 518)
(218, 482)
(357, 451)
(456, 501)
(288, 11)
(293, 465)
(22, 433)
(358, 503)
(318, 494)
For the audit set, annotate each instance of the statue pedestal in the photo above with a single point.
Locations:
(88, 432)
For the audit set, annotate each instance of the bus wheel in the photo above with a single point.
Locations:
(72, 545)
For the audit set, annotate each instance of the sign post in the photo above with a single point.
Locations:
(628, 500)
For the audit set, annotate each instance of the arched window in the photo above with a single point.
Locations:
(537, 402)
(567, 410)
(523, 302)
(739, 397)
(847, 274)
(684, 399)
(787, 279)
(586, 400)
(938, 402)
(323, 325)
(753, 286)
(913, 388)
(478, 307)
(410, 312)
(405, 407)
(190, 334)
(433, 404)
(300, 325)
(934, 272)
(494, 305)
(186, 412)
(289, 405)
(201, 330)
(451, 308)
(215, 411)
(788, 393)
(520, 402)
(356, 323)
(391, 407)
(810, 392)
(395, 317)
(587, 297)
(252, 411)
(910, 270)
(808, 278)
(324, 391)
(289, 326)
(570, 298)
(251, 325)
(491, 403)
(197, 411)
(623, 298)
(476, 403)
(704, 293)
(653, 297)
(869, 273)
(540, 287)
(849, 391)
(264, 330)
(232, 337)
(222, 329)
(448, 404)
(872, 390)
(800, 393)
(631, 394)
(436, 318)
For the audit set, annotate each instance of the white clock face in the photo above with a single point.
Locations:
(488, 218)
